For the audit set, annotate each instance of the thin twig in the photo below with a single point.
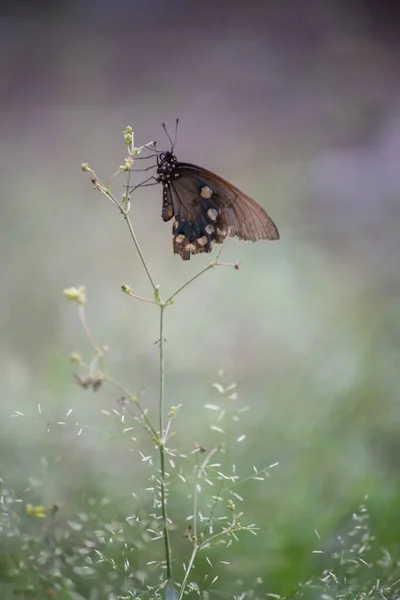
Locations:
(146, 268)
(141, 299)
(168, 555)
(179, 290)
(196, 545)
(232, 528)
(166, 433)
(99, 352)
(128, 222)
(86, 329)
(195, 550)
(152, 432)
(106, 192)
(214, 263)
(199, 474)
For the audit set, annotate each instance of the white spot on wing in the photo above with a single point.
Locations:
(212, 214)
(206, 192)
(209, 229)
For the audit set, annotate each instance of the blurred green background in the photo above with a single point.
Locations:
(298, 105)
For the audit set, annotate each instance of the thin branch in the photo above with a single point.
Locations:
(196, 548)
(166, 433)
(214, 263)
(232, 528)
(162, 372)
(128, 222)
(196, 545)
(185, 285)
(86, 329)
(131, 231)
(168, 554)
(199, 474)
(141, 299)
(106, 192)
(207, 460)
(134, 400)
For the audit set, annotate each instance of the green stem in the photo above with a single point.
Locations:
(200, 470)
(162, 373)
(141, 299)
(224, 532)
(188, 570)
(100, 356)
(168, 556)
(178, 291)
(153, 285)
(134, 400)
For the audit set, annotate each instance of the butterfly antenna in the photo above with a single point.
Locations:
(168, 136)
(176, 133)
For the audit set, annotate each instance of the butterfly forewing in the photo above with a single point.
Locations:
(245, 218)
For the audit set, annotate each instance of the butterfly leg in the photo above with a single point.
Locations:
(144, 184)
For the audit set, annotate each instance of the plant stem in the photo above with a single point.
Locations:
(141, 299)
(168, 557)
(161, 438)
(162, 374)
(188, 570)
(134, 400)
(128, 222)
(82, 316)
(224, 532)
(178, 291)
(107, 193)
(199, 472)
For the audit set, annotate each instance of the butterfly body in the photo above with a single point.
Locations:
(206, 208)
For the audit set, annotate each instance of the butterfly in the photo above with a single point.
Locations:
(206, 208)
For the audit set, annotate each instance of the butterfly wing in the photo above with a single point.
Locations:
(197, 222)
(244, 216)
(206, 208)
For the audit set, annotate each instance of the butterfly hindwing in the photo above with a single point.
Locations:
(198, 219)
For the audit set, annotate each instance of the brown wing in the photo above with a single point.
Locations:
(244, 216)
(206, 208)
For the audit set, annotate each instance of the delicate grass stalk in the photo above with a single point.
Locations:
(185, 285)
(195, 550)
(166, 432)
(233, 527)
(82, 316)
(107, 193)
(128, 222)
(141, 298)
(150, 429)
(196, 545)
(162, 441)
(146, 268)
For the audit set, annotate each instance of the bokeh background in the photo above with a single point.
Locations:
(298, 105)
